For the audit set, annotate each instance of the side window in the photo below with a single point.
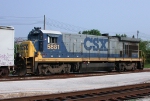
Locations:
(52, 39)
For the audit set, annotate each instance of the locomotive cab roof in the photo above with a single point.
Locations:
(38, 30)
(50, 32)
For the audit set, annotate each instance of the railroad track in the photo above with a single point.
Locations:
(119, 93)
(62, 76)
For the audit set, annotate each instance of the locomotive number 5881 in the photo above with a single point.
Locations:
(52, 46)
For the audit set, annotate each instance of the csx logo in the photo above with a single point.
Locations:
(96, 44)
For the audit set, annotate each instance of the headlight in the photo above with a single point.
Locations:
(20, 55)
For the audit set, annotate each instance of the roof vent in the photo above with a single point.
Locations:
(37, 28)
(105, 34)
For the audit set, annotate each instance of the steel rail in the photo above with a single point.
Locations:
(112, 94)
(62, 76)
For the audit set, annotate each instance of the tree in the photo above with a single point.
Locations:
(121, 35)
(16, 48)
(144, 46)
(91, 32)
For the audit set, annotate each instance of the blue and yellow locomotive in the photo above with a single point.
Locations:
(52, 52)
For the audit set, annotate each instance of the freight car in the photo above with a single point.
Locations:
(6, 49)
(49, 52)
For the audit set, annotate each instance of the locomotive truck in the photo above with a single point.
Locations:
(50, 52)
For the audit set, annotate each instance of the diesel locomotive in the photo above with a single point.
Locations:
(50, 52)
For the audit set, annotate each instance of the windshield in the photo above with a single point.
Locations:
(33, 36)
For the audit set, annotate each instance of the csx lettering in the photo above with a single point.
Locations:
(52, 46)
(95, 45)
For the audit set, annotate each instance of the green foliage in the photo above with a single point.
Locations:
(147, 65)
(121, 35)
(16, 48)
(145, 47)
(91, 32)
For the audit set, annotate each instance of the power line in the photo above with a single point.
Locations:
(3, 17)
(74, 28)
(62, 25)
(18, 23)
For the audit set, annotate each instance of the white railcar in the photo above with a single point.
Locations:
(6, 49)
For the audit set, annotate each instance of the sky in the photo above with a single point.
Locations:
(108, 16)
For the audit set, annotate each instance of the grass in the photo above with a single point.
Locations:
(147, 65)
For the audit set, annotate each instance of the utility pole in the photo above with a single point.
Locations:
(44, 22)
(137, 33)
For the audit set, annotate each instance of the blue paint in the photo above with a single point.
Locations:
(103, 42)
(95, 42)
(85, 41)
(96, 46)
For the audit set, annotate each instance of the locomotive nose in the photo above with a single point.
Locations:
(24, 47)
(27, 49)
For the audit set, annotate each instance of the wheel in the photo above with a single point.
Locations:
(109, 70)
(121, 67)
(117, 67)
(142, 66)
(133, 68)
(22, 71)
(62, 72)
(4, 72)
(21, 67)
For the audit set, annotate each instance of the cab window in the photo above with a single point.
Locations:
(52, 39)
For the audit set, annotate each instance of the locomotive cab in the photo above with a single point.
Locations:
(36, 37)
(39, 43)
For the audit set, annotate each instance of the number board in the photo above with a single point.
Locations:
(52, 46)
